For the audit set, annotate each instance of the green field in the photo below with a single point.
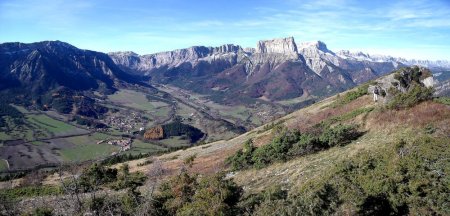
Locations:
(3, 165)
(38, 143)
(26, 131)
(37, 126)
(20, 108)
(83, 152)
(175, 141)
(138, 147)
(49, 124)
(135, 100)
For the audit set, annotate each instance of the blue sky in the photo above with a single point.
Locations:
(412, 29)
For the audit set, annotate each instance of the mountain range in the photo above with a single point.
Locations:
(275, 70)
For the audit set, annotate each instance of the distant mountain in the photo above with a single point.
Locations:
(360, 56)
(43, 66)
(276, 69)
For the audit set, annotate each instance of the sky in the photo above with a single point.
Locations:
(411, 28)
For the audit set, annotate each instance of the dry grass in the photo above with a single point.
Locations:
(315, 116)
(418, 116)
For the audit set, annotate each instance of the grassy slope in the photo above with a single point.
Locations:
(382, 127)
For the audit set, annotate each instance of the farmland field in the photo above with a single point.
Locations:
(137, 100)
(138, 147)
(51, 125)
(83, 152)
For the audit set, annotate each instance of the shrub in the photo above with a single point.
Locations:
(288, 144)
(125, 179)
(307, 144)
(443, 100)
(189, 195)
(379, 182)
(276, 150)
(41, 211)
(415, 94)
(243, 158)
(189, 161)
(96, 175)
(338, 135)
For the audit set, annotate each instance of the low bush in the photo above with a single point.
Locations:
(190, 195)
(125, 179)
(406, 178)
(32, 191)
(288, 144)
(339, 135)
(95, 176)
(414, 95)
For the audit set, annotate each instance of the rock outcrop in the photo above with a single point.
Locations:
(402, 80)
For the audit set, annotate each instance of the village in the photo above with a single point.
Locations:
(127, 123)
(124, 144)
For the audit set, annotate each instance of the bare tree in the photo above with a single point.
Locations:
(71, 187)
(154, 174)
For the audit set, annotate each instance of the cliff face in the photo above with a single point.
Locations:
(281, 46)
(192, 55)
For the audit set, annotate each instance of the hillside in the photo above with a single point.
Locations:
(390, 159)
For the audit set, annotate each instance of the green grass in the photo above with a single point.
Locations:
(162, 111)
(135, 100)
(350, 96)
(83, 152)
(32, 191)
(348, 116)
(23, 131)
(443, 100)
(49, 124)
(100, 136)
(38, 143)
(3, 165)
(4, 136)
(89, 139)
(175, 141)
(85, 148)
(21, 109)
(138, 147)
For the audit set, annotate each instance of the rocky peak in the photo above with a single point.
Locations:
(317, 45)
(280, 45)
(317, 56)
(124, 53)
(226, 48)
